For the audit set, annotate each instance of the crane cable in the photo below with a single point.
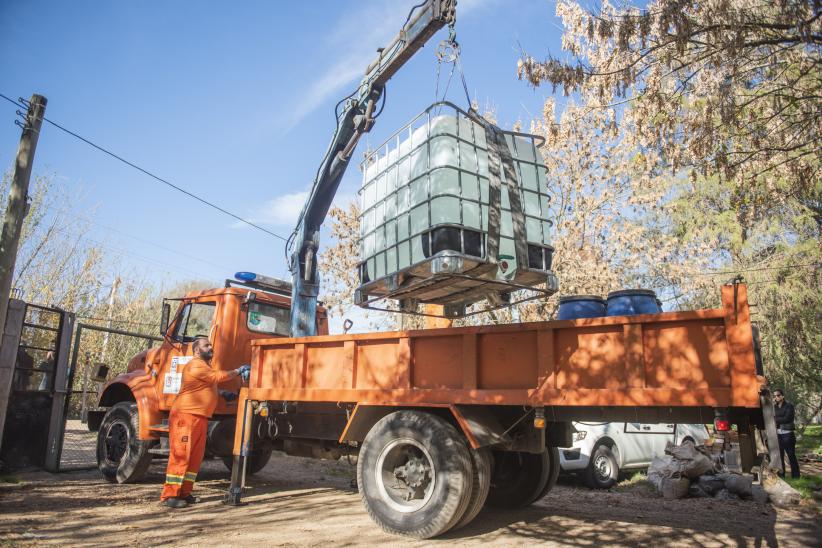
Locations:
(448, 51)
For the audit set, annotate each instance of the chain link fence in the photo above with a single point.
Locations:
(99, 354)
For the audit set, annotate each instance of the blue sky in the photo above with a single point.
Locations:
(233, 101)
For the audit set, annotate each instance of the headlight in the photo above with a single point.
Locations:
(580, 435)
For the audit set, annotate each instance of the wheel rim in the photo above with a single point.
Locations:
(405, 475)
(602, 468)
(116, 442)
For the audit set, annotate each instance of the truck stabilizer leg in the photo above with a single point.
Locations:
(238, 468)
(235, 490)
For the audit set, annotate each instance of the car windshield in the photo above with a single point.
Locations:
(268, 318)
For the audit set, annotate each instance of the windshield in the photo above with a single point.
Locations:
(267, 318)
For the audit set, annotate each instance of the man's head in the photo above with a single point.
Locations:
(778, 396)
(201, 348)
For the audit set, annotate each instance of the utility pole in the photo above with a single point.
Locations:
(18, 200)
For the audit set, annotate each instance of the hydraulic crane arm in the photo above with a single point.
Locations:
(356, 118)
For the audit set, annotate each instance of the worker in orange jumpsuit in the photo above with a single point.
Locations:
(188, 422)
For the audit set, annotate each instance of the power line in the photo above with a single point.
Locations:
(150, 174)
(155, 244)
(118, 249)
(737, 271)
(112, 320)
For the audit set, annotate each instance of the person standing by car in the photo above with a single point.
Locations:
(784, 417)
(188, 422)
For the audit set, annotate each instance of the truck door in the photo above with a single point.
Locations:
(647, 440)
(195, 318)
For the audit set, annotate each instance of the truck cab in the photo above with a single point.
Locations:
(132, 414)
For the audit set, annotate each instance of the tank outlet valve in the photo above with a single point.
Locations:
(447, 265)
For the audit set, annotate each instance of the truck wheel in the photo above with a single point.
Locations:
(481, 459)
(121, 456)
(603, 468)
(519, 479)
(256, 460)
(414, 474)
(553, 472)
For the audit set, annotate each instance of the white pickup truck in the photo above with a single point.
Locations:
(602, 449)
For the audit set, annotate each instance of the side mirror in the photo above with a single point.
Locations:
(164, 318)
(100, 372)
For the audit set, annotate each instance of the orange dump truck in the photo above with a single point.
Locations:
(445, 421)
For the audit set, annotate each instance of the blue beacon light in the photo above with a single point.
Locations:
(245, 276)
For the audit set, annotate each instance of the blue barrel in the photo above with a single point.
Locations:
(630, 302)
(574, 307)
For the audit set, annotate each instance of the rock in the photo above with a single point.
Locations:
(711, 485)
(675, 488)
(696, 491)
(724, 494)
(758, 494)
(738, 485)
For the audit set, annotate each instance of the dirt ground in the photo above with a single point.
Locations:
(301, 502)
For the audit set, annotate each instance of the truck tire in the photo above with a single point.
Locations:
(553, 472)
(121, 456)
(603, 468)
(519, 478)
(481, 460)
(256, 460)
(414, 474)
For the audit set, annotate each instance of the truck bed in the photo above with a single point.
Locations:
(697, 359)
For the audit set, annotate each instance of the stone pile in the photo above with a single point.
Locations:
(688, 470)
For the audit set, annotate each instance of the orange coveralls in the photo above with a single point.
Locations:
(188, 425)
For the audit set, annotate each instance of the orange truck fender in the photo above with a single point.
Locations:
(136, 385)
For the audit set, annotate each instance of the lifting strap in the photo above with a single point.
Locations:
(499, 155)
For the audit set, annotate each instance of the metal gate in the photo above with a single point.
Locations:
(33, 374)
(94, 348)
(45, 397)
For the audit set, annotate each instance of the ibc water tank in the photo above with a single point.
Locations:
(630, 302)
(574, 307)
(426, 192)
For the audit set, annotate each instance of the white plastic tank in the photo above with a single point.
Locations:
(426, 190)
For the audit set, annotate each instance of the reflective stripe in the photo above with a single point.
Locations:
(174, 480)
(191, 476)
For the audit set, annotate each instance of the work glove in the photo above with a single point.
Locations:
(244, 371)
(228, 396)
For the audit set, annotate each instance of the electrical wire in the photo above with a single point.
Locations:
(146, 172)
(112, 320)
(737, 271)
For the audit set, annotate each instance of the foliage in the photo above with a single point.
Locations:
(726, 86)
(55, 264)
(338, 263)
(806, 484)
(810, 441)
(725, 96)
(58, 265)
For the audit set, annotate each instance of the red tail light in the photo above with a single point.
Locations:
(722, 425)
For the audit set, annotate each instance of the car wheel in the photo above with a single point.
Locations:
(414, 474)
(603, 468)
(121, 456)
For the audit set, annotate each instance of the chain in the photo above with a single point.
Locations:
(448, 51)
